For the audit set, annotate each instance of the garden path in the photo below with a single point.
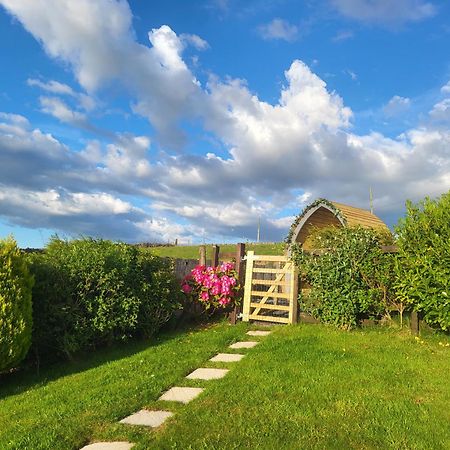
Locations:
(182, 394)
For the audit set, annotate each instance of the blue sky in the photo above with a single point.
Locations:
(151, 121)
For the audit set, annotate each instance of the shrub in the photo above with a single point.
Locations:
(350, 280)
(15, 305)
(423, 272)
(94, 292)
(214, 287)
(160, 292)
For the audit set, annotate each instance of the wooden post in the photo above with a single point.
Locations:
(294, 295)
(202, 258)
(414, 322)
(239, 267)
(248, 285)
(215, 256)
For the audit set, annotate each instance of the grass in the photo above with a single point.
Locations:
(303, 387)
(192, 251)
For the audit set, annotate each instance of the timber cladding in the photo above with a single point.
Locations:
(324, 213)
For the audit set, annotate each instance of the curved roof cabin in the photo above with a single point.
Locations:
(324, 213)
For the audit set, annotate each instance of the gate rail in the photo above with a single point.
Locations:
(275, 293)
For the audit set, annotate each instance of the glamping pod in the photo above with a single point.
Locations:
(324, 213)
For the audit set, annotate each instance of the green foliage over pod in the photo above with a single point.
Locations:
(351, 279)
(16, 284)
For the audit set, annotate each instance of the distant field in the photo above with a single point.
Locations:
(192, 251)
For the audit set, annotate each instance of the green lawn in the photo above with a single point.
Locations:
(192, 251)
(304, 386)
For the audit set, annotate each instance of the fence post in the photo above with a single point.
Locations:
(414, 322)
(248, 285)
(202, 258)
(215, 256)
(239, 267)
(294, 295)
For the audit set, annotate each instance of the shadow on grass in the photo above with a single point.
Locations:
(19, 381)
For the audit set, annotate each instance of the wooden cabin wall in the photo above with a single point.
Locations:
(319, 219)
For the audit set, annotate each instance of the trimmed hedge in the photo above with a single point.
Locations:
(16, 283)
(90, 293)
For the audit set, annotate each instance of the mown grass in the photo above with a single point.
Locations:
(192, 251)
(304, 386)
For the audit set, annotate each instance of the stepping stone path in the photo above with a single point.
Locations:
(244, 344)
(109, 446)
(154, 419)
(258, 333)
(181, 394)
(147, 418)
(227, 357)
(207, 374)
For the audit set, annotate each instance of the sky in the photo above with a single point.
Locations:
(154, 121)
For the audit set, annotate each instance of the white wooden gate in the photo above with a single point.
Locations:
(270, 292)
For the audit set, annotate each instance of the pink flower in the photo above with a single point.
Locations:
(225, 267)
(204, 296)
(186, 288)
(224, 301)
(216, 288)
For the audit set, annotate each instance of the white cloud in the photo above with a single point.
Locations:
(343, 36)
(441, 111)
(351, 74)
(385, 11)
(57, 108)
(195, 41)
(396, 105)
(103, 51)
(278, 29)
(55, 87)
(52, 86)
(446, 88)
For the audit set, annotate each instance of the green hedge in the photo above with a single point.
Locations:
(351, 280)
(89, 293)
(423, 272)
(15, 305)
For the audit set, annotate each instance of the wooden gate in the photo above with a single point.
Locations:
(270, 292)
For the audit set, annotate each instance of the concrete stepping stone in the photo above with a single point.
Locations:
(181, 394)
(119, 445)
(258, 333)
(147, 418)
(227, 357)
(244, 344)
(207, 374)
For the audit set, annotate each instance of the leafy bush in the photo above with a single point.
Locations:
(214, 287)
(423, 272)
(93, 292)
(351, 279)
(160, 292)
(16, 283)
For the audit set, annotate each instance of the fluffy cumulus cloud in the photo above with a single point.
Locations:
(274, 157)
(385, 11)
(104, 51)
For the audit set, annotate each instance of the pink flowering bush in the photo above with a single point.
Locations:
(212, 286)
